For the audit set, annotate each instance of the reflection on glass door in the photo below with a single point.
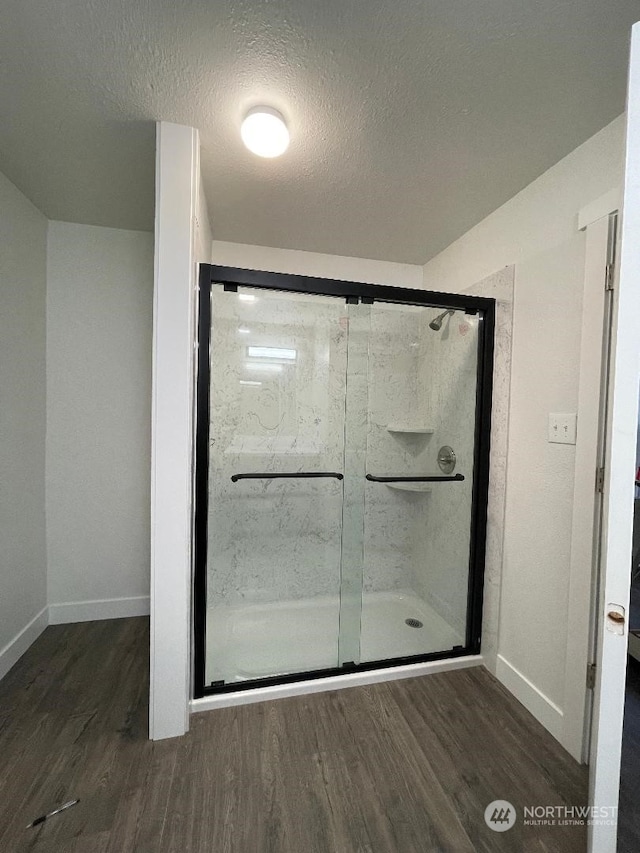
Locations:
(276, 442)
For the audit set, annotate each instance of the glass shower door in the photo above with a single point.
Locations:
(342, 475)
(420, 459)
(276, 455)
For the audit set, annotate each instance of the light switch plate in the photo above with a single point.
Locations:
(563, 428)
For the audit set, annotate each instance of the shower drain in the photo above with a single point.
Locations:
(413, 623)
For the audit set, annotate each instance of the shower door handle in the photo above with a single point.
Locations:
(433, 479)
(299, 474)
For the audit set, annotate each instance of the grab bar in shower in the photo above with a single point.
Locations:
(434, 479)
(269, 476)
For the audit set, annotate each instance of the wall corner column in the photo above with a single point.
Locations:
(177, 187)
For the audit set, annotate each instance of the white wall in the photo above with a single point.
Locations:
(99, 326)
(23, 586)
(311, 263)
(542, 215)
(203, 225)
(537, 231)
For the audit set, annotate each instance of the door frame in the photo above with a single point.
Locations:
(231, 278)
(619, 488)
(598, 222)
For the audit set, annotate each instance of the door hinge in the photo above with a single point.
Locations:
(609, 276)
(591, 676)
(600, 480)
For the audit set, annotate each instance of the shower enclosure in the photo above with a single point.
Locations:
(342, 455)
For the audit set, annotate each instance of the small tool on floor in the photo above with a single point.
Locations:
(44, 817)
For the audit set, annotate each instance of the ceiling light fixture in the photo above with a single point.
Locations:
(264, 132)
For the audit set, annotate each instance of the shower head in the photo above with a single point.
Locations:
(436, 324)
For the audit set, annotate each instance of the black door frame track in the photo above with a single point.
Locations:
(231, 278)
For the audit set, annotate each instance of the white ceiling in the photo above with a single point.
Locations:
(410, 119)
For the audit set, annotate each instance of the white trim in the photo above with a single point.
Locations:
(576, 700)
(603, 206)
(15, 648)
(65, 612)
(332, 682)
(533, 699)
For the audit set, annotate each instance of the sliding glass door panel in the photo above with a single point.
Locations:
(276, 460)
(422, 378)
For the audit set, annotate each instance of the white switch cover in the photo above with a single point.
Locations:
(563, 428)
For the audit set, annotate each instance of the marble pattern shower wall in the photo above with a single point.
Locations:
(278, 372)
(399, 399)
(422, 395)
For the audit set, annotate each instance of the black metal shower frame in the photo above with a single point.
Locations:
(231, 278)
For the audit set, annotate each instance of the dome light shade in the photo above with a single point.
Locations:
(264, 132)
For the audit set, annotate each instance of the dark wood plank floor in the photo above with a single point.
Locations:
(404, 766)
(629, 811)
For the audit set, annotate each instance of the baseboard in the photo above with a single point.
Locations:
(15, 648)
(533, 699)
(90, 611)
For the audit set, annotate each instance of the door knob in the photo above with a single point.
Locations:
(616, 618)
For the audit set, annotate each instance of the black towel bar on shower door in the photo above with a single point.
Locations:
(269, 476)
(434, 479)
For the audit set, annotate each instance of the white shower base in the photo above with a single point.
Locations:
(259, 640)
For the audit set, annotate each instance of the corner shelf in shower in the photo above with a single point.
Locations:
(410, 430)
(424, 488)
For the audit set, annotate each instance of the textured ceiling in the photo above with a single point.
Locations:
(410, 119)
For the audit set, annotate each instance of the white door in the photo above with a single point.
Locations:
(613, 601)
